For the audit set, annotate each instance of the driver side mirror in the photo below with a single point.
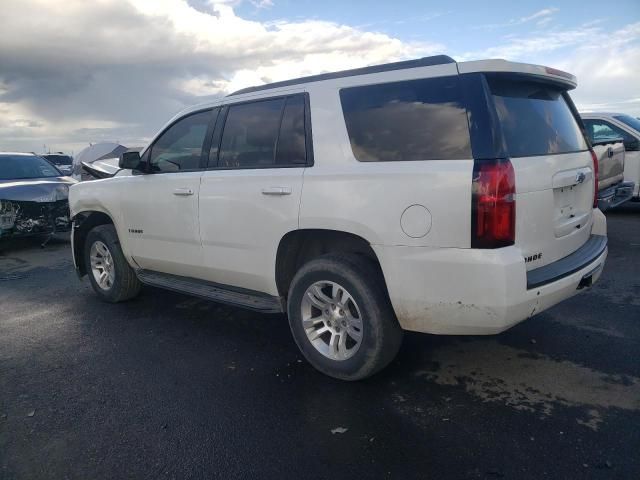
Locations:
(632, 145)
(131, 161)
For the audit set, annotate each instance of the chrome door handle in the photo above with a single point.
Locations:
(276, 191)
(183, 192)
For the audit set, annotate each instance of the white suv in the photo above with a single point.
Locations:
(427, 195)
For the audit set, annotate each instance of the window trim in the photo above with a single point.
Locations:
(164, 130)
(224, 113)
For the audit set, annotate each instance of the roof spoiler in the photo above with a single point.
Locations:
(503, 66)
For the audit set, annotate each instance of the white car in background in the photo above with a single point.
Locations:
(623, 126)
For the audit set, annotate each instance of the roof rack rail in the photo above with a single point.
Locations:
(386, 67)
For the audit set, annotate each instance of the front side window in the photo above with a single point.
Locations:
(411, 120)
(599, 130)
(535, 118)
(180, 147)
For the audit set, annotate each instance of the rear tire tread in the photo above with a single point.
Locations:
(369, 285)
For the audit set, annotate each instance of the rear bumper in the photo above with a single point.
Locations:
(615, 195)
(581, 258)
(481, 292)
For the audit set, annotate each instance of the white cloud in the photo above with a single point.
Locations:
(606, 62)
(543, 17)
(262, 3)
(118, 69)
(133, 63)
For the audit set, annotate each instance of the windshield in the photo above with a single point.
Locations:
(629, 120)
(59, 159)
(536, 118)
(18, 167)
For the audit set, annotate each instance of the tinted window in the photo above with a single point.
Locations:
(59, 159)
(180, 147)
(413, 120)
(628, 120)
(535, 118)
(16, 167)
(250, 133)
(291, 142)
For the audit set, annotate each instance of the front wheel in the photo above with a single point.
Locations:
(111, 276)
(341, 317)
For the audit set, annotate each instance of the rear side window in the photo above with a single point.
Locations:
(265, 133)
(292, 143)
(411, 120)
(250, 133)
(535, 118)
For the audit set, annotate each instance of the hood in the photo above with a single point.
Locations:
(50, 189)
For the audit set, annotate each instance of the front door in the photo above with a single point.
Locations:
(161, 207)
(604, 128)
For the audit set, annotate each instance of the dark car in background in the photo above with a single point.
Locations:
(63, 162)
(34, 196)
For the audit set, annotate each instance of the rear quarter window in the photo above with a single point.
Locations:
(535, 118)
(410, 120)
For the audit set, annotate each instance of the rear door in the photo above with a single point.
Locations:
(250, 195)
(552, 164)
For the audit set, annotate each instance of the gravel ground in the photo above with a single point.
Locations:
(168, 386)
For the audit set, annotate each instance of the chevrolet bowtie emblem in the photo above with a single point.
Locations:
(580, 176)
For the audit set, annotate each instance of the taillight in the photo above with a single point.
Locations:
(595, 178)
(493, 204)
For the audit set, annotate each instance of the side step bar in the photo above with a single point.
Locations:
(260, 302)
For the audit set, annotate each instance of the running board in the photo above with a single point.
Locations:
(260, 302)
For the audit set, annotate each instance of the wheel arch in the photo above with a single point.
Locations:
(83, 222)
(299, 246)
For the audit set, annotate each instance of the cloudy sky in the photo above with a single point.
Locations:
(76, 71)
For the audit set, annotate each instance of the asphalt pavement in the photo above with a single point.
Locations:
(169, 386)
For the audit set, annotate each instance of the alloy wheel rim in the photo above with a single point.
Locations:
(102, 266)
(332, 320)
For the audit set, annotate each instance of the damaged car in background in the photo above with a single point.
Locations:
(98, 160)
(33, 196)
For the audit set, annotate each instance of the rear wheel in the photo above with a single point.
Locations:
(341, 317)
(111, 276)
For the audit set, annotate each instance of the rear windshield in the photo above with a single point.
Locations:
(59, 159)
(19, 167)
(410, 120)
(535, 118)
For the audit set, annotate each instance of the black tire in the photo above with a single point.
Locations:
(381, 333)
(126, 284)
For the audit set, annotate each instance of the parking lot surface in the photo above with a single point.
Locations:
(169, 386)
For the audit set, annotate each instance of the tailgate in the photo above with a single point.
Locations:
(552, 164)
